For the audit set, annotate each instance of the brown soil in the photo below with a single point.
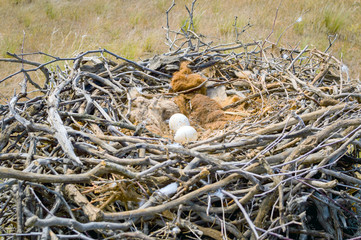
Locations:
(181, 101)
(153, 112)
(328, 102)
(184, 79)
(229, 100)
(201, 109)
(207, 112)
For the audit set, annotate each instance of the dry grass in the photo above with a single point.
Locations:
(133, 28)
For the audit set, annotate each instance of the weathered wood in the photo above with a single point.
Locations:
(93, 154)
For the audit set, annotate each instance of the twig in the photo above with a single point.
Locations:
(35, 177)
(245, 214)
(171, 204)
(58, 221)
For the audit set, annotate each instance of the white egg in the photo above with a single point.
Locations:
(185, 134)
(177, 121)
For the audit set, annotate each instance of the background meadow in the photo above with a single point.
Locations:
(134, 30)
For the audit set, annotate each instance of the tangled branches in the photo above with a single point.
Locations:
(92, 157)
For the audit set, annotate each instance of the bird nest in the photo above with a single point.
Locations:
(92, 156)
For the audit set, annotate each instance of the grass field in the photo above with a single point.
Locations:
(133, 29)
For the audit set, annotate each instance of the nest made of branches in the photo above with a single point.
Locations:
(276, 157)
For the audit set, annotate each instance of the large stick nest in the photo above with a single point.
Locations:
(276, 157)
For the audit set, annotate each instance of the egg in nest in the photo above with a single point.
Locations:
(185, 134)
(177, 121)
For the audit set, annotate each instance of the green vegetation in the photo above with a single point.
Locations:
(49, 10)
(227, 27)
(149, 44)
(130, 49)
(185, 23)
(299, 27)
(334, 20)
(134, 28)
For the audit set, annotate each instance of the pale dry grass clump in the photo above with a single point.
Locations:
(133, 29)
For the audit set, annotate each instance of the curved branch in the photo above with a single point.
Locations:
(160, 208)
(19, 60)
(81, 227)
(36, 177)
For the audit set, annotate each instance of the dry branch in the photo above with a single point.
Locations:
(93, 157)
(45, 178)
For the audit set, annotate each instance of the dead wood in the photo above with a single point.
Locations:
(92, 156)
